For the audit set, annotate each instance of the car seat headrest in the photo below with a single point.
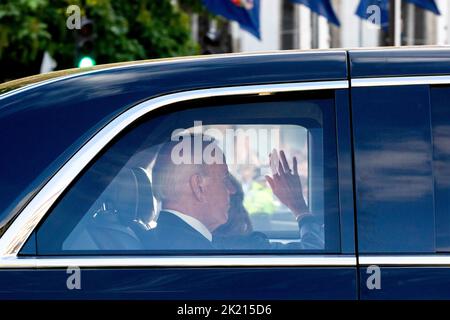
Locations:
(133, 197)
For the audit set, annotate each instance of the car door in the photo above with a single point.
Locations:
(400, 121)
(96, 239)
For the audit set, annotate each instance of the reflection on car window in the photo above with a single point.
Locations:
(245, 176)
(440, 116)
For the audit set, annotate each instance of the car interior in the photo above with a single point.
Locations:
(116, 208)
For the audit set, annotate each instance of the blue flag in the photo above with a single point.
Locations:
(375, 11)
(321, 7)
(427, 5)
(245, 12)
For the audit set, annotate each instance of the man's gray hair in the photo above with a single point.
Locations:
(169, 177)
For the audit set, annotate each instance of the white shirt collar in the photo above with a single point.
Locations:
(194, 223)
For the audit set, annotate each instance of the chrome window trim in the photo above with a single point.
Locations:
(405, 260)
(181, 261)
(15, 236)
(163, 61)
(399, 81)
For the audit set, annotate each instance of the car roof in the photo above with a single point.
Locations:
(400, 62)
(363, 59)
(63, 74)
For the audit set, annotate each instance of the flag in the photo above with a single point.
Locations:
(245, 12)
(427, 5)
(375, 11)
(321, 7)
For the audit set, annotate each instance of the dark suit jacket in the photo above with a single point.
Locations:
(172, 233)
(311, 235)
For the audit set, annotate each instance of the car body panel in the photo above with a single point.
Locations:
(409, 283)
(345, 172)
(183, 284)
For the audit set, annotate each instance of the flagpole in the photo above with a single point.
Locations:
(397, 22)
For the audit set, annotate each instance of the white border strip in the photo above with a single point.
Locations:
(399, 81)
(405, 261)
(182, 261)
(14, 238)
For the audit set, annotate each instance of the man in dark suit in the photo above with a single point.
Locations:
(174, 233)
(194, 191)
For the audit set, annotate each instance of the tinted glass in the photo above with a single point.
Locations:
(147, 193)
(393, 169)
(440, 113)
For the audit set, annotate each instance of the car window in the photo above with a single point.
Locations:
(393, 169)
(250, 165)
(440, 115)
(207, 177)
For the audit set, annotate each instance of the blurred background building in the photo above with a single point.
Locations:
(288, 25)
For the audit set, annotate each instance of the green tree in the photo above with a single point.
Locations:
(125, 30)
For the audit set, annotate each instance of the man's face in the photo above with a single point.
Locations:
(219, 187)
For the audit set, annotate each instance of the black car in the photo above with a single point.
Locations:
(85, 213)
